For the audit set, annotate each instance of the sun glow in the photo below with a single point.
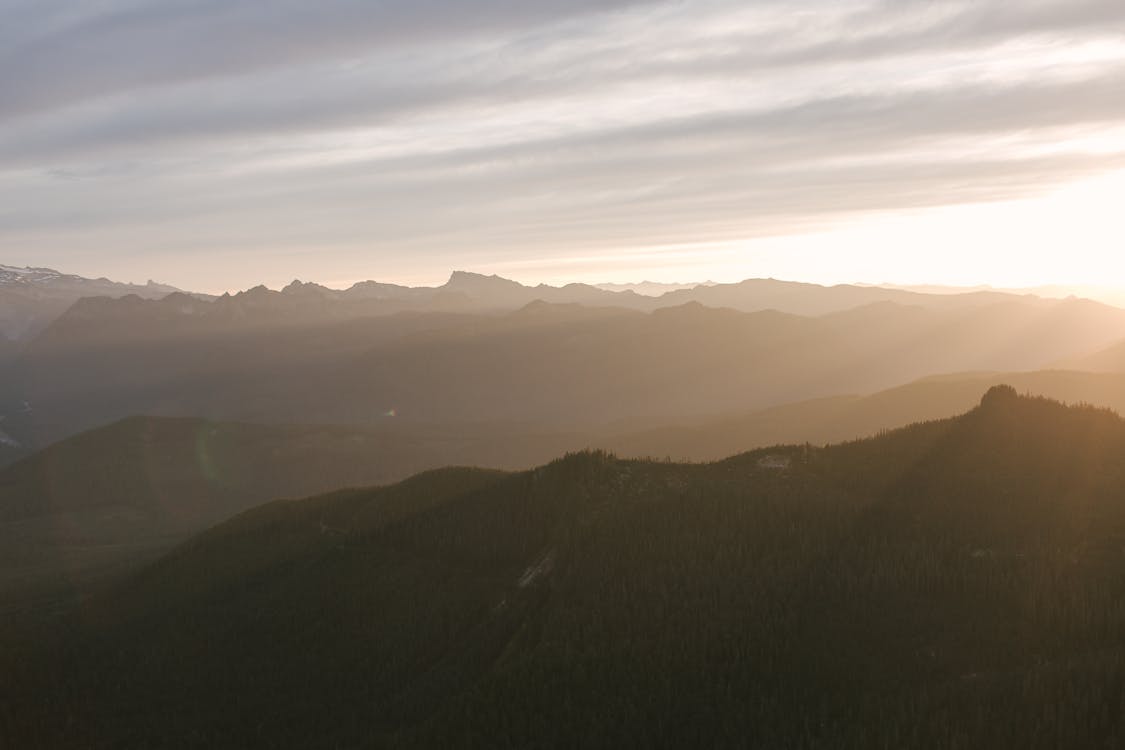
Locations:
(1072, 236)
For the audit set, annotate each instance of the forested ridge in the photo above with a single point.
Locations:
(958, 583)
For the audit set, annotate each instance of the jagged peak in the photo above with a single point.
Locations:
(470, 277)
(296, 286)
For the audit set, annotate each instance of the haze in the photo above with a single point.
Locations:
(215, 146)
(552, 374)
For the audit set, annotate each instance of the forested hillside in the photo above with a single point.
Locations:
(94, 505)
(848, 417)
(952, 584)
(98, 503)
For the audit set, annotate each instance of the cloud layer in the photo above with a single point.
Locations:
(348, 139)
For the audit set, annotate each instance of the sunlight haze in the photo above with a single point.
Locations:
(554, 374)
(952, 142)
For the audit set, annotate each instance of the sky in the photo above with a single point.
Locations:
(219, 144)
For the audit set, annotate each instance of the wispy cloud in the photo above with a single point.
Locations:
(483, 129)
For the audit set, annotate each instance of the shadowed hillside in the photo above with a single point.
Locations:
(841, 418)
(111, 497)
(100, 502)
(549, 367)
(30, 298)
(955, 583)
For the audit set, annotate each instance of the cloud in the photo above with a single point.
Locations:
(139, 45)
(484, 126)
(387, 87)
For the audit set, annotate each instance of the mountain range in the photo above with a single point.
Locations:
(266, 356)
(109, 499)
(30, 298)
(953, 583)
(849, 565)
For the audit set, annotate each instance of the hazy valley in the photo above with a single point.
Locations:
(526, 375)
(156, 450)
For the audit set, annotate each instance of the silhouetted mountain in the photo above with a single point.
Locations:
(163, 358)
(264, 356)
(813, 299)
(308, 303)
(118, 493)
(302, 303)
(956, 583)
(187, 471)
(479, 286)
(110, 497)
(30, 298)
(751, 295)
(840, 418)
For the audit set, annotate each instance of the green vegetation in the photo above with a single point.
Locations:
(958, 583)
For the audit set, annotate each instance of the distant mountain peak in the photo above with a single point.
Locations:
(33, 275)
(459, 279)
(26, 275)
(31, 297)
(296, 286)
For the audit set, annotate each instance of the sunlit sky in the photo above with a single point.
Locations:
(218, 144)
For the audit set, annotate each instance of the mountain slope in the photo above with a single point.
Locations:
(841, 418)
(102, 501)
(30, 298)
(112, 497)
(554, 367)
(956, 583)
(187, 470)
(814, 300)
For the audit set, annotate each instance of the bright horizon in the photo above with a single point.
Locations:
(1072, 239)
(950, 143)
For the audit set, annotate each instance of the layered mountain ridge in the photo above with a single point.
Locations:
(31, 298)
(265, 356)
(957, 582)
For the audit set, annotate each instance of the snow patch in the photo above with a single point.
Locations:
(27, 275)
